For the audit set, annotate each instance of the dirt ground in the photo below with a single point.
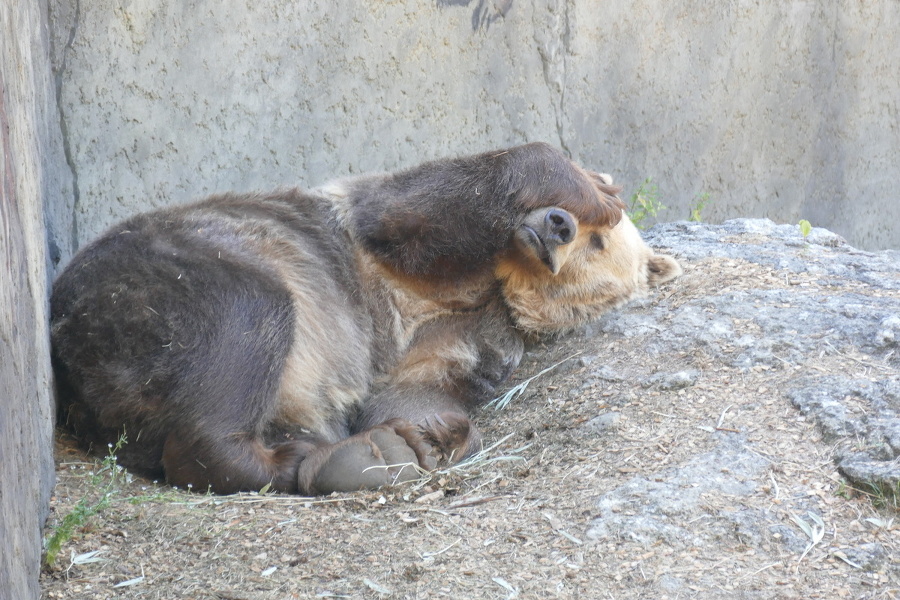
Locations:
(523, 520)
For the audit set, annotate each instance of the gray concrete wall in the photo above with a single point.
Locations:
(31, 174)
(786, 110)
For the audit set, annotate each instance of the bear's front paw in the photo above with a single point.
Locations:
(387, 454)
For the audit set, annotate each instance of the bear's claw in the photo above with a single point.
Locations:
(451, 435)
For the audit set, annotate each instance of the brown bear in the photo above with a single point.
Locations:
(334, 339)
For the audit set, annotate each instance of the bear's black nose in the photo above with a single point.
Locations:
(560, 226)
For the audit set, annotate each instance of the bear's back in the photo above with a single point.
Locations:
(235, 296)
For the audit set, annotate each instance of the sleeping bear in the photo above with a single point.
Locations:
(335, 339)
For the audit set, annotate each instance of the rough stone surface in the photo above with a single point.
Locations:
(30, 172)
(862, 418)
(163, 102)
(860, 312)
(834, 301)
(653, 510)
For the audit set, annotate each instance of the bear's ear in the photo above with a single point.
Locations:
(662, 268)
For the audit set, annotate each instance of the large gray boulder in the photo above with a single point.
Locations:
(769, 316)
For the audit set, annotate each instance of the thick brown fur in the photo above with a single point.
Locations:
(334, 339)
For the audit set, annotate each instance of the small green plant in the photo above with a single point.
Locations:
(805, 227)
(76, 518)
(697, 207)
(884, 495)
(645, 203)
(843, 490)
(109, 476)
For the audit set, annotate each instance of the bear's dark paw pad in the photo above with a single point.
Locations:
(369, 460)
(450, 436)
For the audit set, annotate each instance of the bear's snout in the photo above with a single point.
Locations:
(559, 226)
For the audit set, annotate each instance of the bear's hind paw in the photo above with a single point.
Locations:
(388, 454)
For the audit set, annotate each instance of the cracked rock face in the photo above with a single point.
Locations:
(650, 511)
(838, 302)
(771, 319)
(854, 310)
(862, 418)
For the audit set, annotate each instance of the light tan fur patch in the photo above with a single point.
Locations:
(592, 279)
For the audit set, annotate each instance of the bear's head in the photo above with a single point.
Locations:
(562, 272)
